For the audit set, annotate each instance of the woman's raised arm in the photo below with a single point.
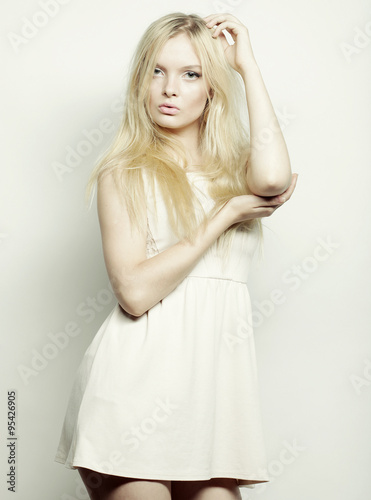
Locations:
(268, 169)
(140, 283)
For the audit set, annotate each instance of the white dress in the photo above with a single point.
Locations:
(173, 394)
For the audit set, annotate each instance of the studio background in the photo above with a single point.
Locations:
(61, 99)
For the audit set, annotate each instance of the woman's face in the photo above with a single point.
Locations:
(178, 82)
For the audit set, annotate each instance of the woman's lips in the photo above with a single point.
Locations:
(166, 110)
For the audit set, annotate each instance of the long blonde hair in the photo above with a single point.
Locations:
(140, 145)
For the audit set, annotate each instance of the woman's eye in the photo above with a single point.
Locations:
(193, 75)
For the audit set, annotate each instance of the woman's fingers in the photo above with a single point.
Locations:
(223, 22)
(218, 18)
(227, 25)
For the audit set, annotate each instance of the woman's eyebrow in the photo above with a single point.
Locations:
(190, 66)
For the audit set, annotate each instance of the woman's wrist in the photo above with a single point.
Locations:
(249, 67)
(228, 213)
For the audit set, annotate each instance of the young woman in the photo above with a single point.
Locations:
(165, 402)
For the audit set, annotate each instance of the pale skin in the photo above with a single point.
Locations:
(140, 283)
(269, 171)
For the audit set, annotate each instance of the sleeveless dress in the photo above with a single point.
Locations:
(173, 394)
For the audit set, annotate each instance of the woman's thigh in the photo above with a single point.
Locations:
(212, 489)
(107, 487)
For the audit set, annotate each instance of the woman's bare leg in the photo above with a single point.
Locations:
(107, 487)
(212, 489)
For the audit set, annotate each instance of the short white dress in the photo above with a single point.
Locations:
(173, 394)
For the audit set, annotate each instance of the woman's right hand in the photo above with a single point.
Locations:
(250, 206)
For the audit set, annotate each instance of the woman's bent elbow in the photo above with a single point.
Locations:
(271, 187)
(132, 302)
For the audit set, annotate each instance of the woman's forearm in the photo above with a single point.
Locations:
(141, 286)
(153, 279)
(268, 170)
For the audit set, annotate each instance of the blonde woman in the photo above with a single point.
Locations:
(165, 402)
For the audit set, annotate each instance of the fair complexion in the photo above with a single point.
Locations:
(107, 487)
(268, 168)
(178, 81)
(140, 283)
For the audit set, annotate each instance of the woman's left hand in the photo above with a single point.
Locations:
(240, 53)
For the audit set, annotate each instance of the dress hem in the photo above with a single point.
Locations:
(250, 483)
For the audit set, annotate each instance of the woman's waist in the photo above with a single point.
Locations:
(213, 268)
(219, 277)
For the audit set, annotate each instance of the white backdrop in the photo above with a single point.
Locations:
(64, 65)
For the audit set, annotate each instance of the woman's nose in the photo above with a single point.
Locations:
(170, 87)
